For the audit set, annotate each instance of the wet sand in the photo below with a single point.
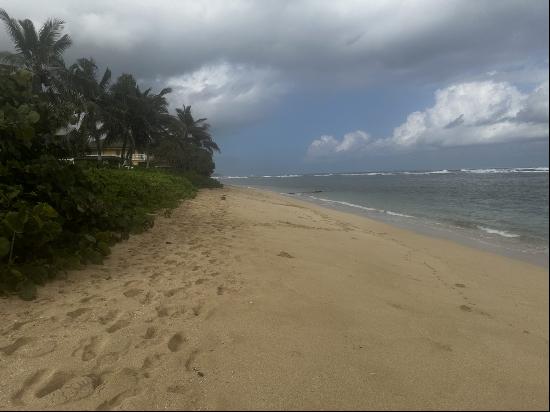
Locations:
(247, 299)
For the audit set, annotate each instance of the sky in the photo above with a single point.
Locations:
(333, 86)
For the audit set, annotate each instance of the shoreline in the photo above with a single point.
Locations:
(421, 226)
(245, 299)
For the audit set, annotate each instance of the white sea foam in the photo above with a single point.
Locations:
(368, 174)
(281, 176)
(435, 172)
(233, 177)
(508, 170)
(344, 203)
(371, 209)
(389, 212)
(497, 232)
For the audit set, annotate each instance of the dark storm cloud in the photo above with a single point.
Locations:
(255, 44)
(168, 38)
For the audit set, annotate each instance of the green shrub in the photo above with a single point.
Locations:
(55, 215)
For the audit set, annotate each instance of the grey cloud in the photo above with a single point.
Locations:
(309, 43)
(407, 38)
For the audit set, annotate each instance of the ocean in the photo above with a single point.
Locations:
(499, 210)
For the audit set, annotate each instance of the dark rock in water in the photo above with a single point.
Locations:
(223, 197)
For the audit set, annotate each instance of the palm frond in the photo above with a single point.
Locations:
(105, 79)
(14, 29)
(49, 32)
(29, 32)
(61, 45)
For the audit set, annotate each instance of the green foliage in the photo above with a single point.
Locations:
(184, 157)
(55, 215)
(65, 216)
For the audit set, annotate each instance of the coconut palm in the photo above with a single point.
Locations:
(91, 97)
(152, 120)
(138, 119)
(39, 52)
(196, 132)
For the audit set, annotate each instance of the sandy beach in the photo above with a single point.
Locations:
(244, 299)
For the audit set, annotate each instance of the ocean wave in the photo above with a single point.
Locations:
(344, 203)
(371, 209)
(508, 170)
(389, 212)
(434, 172)
(282, 176)
(368, 174)
(497, 232)
(232, 177)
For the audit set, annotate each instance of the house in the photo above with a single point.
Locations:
(114, 150)
(110, 151)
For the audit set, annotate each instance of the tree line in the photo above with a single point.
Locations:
(96, 111)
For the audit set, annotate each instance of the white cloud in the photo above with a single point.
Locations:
(352, 143)
(485, 112)
(229, 95)
(536, 105)
(467, 113)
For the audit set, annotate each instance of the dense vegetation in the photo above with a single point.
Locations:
(56, 214)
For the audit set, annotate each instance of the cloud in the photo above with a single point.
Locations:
(320, 45)
(229, 95)
(536, 106)
(464, 114)
(350, 41)
(327, 146)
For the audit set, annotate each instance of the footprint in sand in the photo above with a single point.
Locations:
(17, 398)
(20, 342)
(108, 317)
(130, 293)
(172, 292)
(285, 254)
(175, 342)
(76, 313)
(117, 400)
(150, 333)
(119, 324)
(63, 387)
(89, 348)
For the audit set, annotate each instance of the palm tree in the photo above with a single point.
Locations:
(92, 98)
(41, 53)
(118, 113)
(152, 121)
(196, 132)
(139, 119)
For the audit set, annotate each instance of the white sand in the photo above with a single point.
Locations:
(263, 302)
